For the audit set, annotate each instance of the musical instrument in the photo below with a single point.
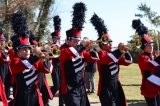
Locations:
(53, 50)
(48, 50)
(9, 44)
(35, 50)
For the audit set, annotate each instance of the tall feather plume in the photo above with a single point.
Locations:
(57, 23)
(99, 25)
(78, 16)
(19, 24)
(141, 30)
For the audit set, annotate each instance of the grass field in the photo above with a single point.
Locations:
(130, 78)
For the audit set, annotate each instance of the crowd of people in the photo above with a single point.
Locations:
(72, 65)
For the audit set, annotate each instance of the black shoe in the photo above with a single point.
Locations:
(88, 91)
(93, 91)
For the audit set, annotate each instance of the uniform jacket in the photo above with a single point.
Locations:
(108, 68)
(72, 66)
(149, 68)
(25, 72)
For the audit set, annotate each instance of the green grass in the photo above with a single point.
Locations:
(130, 78)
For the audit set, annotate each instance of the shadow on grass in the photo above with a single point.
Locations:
(131, 85)
(136, 102)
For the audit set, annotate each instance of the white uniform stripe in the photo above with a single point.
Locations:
(51, 68)
(74, 51)
(128, 61)
(112, 57)
(31, 80)
(114, 71)
(76, 64)
(27, 64)
(154, 79)
(75, 59)
(7, 58)
(154, 63)
(29, 74)
(26, 70)
(111, 67)
(79, 68)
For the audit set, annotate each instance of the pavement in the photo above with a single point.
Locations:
(55, 101)
(93, 99)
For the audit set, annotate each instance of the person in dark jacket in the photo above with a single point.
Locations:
(56, 73)
(42, 80)
(90, 70)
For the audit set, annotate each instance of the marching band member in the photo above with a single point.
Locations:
(42, 81)
(4, 71)
(24, 66)
(72, 60)
(56, 75)
(149, 66)
(110, 91)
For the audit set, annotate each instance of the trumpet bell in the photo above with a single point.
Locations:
(56, 52)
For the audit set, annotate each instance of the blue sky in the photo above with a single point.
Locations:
(117, 15)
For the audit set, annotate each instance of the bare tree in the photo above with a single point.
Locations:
(42, 19)
(10, 6)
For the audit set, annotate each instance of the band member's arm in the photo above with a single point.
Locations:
(17, 65)
(91, 56)
(126, 59)
(147, 64)
(115, 55)
(106, 58)
(45, 67)
(4, 57)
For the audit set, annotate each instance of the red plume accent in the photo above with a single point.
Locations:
(2, 36)
(76, 33)
(57, 33)
(24, 41)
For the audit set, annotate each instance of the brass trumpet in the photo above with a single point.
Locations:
(51, 50)
(9, 44)
(39, 53)
(54, 50)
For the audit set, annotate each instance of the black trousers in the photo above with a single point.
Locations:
(108, 94)
(153, 101)
(112, 94)
(56, 78)
(27, 97)
(76, 97)
(5, 76)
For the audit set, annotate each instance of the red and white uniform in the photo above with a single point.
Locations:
(72, 69)
(149, 68)
(27, 90)
(108, 68)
